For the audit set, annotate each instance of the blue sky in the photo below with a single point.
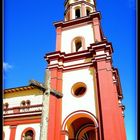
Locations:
(29, 34)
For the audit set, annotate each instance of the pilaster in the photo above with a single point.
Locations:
(97, 30)
(109, 109)
(13, 132)
(55, 111)
(58, 38)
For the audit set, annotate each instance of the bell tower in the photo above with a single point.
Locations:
(89, 107)
(75, 8)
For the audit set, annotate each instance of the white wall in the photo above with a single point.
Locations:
(20, 129)
(16, 101)
(68, 35)
(71, 103)
(6, 130)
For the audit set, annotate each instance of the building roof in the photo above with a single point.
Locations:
(21, 88)
(24, 88)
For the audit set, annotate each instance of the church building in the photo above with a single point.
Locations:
(81, 98)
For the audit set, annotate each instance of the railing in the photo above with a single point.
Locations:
(22, 109)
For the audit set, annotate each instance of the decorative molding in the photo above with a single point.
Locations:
(23, 88)
(85, 19)
(20, 110)
(21, 120)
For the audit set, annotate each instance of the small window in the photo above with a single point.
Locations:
(79, 89)
(22, 103)
(28, 102)
(78, 45)
(6, 105)
(87, 12)
(77, 13)
(28, 135)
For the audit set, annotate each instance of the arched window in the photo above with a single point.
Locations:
(28, 134)
(87, 12)
(78, 44)
(5, 107)
(28, 102)
(22, 103)
(77, 13)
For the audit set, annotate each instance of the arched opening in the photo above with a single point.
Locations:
(77, 13)
(23, 103)
(81, 127)
(28, 134)
(78, 44)
(28, 102)
(6, 105)
(87, 12)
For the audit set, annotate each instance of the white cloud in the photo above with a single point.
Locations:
(7, 66)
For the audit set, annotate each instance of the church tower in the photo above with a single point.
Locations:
(89, 107)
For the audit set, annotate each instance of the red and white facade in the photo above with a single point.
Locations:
(81, 69)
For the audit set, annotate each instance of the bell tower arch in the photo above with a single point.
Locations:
(80, 125)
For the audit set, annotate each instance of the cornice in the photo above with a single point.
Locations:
(22, 88)
(65, 2)
(80, 20)
(59, 59)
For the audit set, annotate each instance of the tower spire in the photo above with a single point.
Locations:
(78, 8)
